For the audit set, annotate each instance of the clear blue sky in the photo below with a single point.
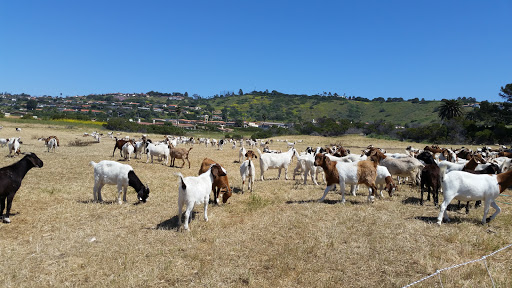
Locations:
(408, 49)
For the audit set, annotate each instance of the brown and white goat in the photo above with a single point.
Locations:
(362, 172)
(220, 184)
(119, 145)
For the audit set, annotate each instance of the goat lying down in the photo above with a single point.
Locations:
(469, 187)
(196, 190)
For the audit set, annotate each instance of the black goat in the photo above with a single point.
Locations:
(430, 177)
(10, 181)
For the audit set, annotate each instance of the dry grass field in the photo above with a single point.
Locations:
(278, 236)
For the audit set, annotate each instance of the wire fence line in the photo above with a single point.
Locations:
(438, 272)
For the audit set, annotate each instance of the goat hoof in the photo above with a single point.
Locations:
(6, 220)
(438, 223)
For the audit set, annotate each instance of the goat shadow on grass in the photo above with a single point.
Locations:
(453, 220)
(104, 202)
(411, 200)
(326, 201)
(171, 224)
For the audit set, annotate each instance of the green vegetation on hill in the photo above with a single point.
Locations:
(301, 108)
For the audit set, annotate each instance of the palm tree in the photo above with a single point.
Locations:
(450, 109)
(178, 113)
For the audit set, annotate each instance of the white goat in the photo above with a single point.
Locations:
(306, 164)
(469, 187)
(384, 181)
(3, 142)
(197, 189)
(14, 146)
(403, 167)
(247, 171)
(122, 175)
(52, 144)
(449, 166)
(241, 154)
(276, 161)
(160, 150)
(128, 150)
(139, 147)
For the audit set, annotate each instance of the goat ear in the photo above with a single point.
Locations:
(32, 159)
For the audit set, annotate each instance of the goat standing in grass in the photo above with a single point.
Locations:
(122, 175)
(276, 161)
(430, 177)
(196, 190)
(10, 181)
(52, 144)
(221, 183)
(464, 186)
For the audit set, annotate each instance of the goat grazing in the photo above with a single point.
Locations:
(221, 183)
(276, 161)
(122, 175)
(197, 189)
(468, 187)
(10, 181)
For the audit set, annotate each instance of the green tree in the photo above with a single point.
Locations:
(179, 110)
(450, 109)
(31, 104)
(507, 92)
(240, 92)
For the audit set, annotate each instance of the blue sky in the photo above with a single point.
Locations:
(408, 49)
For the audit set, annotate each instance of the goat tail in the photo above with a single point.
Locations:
(190, 149)
(92, 163)
(182, 183)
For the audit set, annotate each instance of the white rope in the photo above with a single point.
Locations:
(458, 265)
(489, 272)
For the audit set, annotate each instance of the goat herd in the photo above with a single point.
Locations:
(462, 174)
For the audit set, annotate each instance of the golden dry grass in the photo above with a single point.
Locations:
(278, 236)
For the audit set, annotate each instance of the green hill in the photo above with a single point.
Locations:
(298, 108)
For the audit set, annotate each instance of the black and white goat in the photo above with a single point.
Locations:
(122, 175)
(10, 181)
